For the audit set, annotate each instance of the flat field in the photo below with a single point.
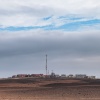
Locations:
(49, 89)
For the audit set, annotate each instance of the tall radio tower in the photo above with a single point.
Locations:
(46, 65)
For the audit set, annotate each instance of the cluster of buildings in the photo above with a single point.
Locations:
(27, 75)
(79, 76)
(53, 75)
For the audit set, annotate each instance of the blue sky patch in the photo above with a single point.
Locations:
(47, 18)
(71, 26)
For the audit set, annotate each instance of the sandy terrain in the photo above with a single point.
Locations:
(49, 89)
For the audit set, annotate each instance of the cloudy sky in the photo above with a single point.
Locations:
(68, 31)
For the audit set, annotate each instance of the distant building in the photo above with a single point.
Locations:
(63, 75)
(70, 76)
(14, 76)
(21, 75)
(52, 75)
(91, 77)
(80, 76)
(56, 75)
(36, 75)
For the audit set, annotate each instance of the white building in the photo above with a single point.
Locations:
(91, 77)
(63, 75)
(70, 76)
(80, 76)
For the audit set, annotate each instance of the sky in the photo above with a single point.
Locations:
(68, 31)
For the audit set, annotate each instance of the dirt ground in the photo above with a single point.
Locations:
(49, 89)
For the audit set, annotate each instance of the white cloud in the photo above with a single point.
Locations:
(30, 13)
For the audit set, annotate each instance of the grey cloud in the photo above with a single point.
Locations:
(86, 45)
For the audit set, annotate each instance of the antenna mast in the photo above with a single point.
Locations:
(46, 64)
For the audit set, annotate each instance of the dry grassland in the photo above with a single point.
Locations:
(49, 89)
